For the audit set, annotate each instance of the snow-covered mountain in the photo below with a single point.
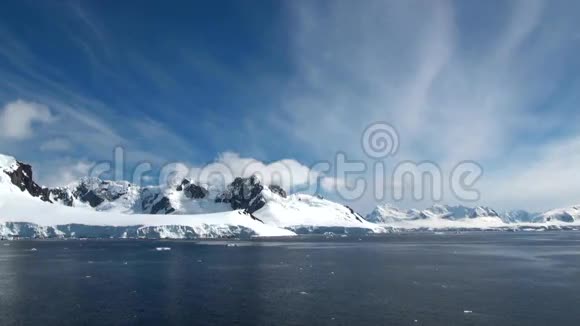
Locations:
(479, 217)
(184, 210)
(388, 213)
(568, 214)
(519, 215)
(92, 207)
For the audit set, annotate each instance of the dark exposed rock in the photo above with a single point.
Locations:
(155, 203)
(91, 198)
(246, 194)
(195, 191)
(95, 191)
(109, 195)
(192, 190)
(22, 178)
(147, 199)
(245, 212)
(86, 195)
(356, 215)
(163, 206)
(61, 195)
(278, 190)
(184, 183)
(482, 211)
(243, 193)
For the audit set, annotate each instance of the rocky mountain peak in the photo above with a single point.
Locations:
(21, 176)
(246, 194)
(480, 211)
(192, 190)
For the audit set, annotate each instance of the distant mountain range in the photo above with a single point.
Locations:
(385, 214)
(93, 207)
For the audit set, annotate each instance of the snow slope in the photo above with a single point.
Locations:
(246, 206)
(19, 207)
(300, 210)
(389, 214)
(568, 215)
(7, 164)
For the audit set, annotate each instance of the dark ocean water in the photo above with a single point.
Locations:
(403, 279)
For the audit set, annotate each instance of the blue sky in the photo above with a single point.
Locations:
(496, 82)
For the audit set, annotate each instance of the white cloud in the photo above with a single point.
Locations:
(287, 173)
(56, 145)
(61, 172)
(18, 118)
(331, 184)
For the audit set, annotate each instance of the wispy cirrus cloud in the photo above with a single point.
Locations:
(56, 144)
(453, 92)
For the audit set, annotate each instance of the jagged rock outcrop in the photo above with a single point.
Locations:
(278, 190)
(21, 176)
(95, 191)
(86, 195)
(261, 210)
(61, 195)
(357, 216)
(89, 190)
(192, 190)
(246, 194)
(155, 203)
(163, 206)
(242, 194)
(481, 211)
